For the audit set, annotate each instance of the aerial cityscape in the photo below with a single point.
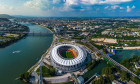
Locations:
(70, 42)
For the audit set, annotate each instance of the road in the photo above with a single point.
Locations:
(41, 78)
(112, 60)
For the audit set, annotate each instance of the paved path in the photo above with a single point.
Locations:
(58, 79)
(41, 78)
(90, 79)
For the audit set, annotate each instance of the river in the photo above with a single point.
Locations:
(122, 54)
(18, 57)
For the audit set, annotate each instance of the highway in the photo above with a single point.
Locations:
(112, 60)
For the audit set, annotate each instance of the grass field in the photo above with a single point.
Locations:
(67, 54)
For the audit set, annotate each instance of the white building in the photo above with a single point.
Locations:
(137, 65)
(68, 64)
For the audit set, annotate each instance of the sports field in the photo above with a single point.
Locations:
(69, 54)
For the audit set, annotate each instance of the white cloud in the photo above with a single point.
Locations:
(49, 7)
(113, 1)
(106, 7)
(129, 8)
(71, 2)
(68, 4)
(133, 7)
(35, 4)
(6, 7)
(82, 9)
(121, 7)
(42, 4)
(92, 2)
(114, 7)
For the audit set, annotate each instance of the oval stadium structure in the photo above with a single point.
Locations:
(68, 57)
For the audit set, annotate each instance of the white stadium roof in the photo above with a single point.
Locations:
(68, 62)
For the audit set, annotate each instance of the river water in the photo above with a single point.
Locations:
(20, 56)
(122, 54)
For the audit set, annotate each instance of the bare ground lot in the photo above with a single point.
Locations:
(105, 40)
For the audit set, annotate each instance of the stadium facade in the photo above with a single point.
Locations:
(68, 57)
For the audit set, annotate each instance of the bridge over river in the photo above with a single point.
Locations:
(39, 33)
(42, 33)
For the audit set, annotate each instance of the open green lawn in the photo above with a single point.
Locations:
(67, 54)
(61, 40)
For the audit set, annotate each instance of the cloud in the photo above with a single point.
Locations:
(114, 7)
(121, 7)
(76, 4)
(129, 8)
(106, 7)
(82, 9)
(69, 4)
(133, 7)
(37, 4)
(113, 1)
(92, 2)
(72, 2)
(6, 7)
(44, 4)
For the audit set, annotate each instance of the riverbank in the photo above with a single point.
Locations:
(47, 28)
(131, 48)
(11, 41)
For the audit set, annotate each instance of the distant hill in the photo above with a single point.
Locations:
(5, 16)
(3, 19)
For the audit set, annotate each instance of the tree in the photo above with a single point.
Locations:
(91, 65)
(99, 81)
(134, 58)
(25, 76)
(52, 71)
(106, 70)
(111, 77)
(124, 75)
(115, 69)
(125, 62)
(136, 80)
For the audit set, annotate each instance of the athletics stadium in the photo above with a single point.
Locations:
(68, 57)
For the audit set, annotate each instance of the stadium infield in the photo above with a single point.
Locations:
(67, 54)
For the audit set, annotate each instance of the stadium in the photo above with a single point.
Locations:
(68, 57)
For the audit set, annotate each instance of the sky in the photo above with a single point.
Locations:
(71, 8)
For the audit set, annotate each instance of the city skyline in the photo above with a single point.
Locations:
(71, 8)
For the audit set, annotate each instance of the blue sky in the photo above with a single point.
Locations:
(71, 8)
